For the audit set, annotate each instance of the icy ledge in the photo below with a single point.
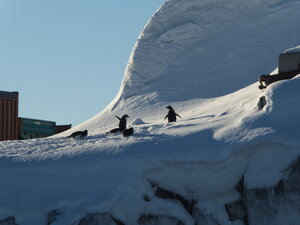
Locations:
(249, 206)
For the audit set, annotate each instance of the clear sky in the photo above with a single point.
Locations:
(66, 58)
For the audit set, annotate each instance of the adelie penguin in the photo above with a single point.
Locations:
(171, 114)
(122, 124)
(128, 132)
(78, 134)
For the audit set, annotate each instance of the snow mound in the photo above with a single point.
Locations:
(191, 49)
(138, 121)
(201, 157)
(200, 50)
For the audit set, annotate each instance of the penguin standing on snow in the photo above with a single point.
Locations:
(171, 114)
(122, 125)
(123, 121)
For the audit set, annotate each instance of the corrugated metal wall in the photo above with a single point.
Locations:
(9, 115)
(62, 128)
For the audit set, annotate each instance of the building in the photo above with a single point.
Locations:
(9, 103)
(33, 128)
(14, 128)
(62, 128)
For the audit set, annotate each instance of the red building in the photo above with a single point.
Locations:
(14, 128)
(9, 103)
(62, 128)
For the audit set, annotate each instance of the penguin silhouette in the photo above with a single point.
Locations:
(122, 122)
(78, 134)
(122, 125)
(171, 114)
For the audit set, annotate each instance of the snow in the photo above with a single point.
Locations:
(203, 58)
(184, 41)
(295, 49)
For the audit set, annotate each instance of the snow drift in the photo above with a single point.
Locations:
(202, 49)
(225, 156)
(222, 45)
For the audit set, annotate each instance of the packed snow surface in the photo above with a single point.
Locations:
(203, 58)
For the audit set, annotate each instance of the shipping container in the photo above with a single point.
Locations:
(9, 102)
(33, 128)
(62, 128)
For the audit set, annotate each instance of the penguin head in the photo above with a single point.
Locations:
(125, 116)
(169, 107)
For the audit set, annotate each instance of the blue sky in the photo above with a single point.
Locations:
(66, 58)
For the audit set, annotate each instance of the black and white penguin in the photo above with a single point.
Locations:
(123, 121)
(171, 114)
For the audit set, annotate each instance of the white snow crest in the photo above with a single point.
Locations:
(194, 40)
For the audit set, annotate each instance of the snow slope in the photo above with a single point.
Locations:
(202, 49)
(202, 57)
(199, 41)
(202, 156)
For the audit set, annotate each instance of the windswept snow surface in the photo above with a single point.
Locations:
(201, 57)
(202, 156)
(193, 49)
(219, 44)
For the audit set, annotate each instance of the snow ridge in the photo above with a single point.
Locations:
(215, 44)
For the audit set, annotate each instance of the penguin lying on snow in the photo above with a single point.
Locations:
(128, 132)
(78, 134)
(171, 114)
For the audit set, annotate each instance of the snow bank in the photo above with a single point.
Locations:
(203, 156)
(217, 44)
(200, 49)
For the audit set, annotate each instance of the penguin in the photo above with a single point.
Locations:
(122, 125)
(128, 132)
(122, 122)
(78, 134)
(115, 130)
(171, 114)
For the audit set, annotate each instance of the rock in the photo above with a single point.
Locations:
(8, 221)
(158, 219)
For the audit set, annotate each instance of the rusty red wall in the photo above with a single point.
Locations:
(62, 128)
(9, 102)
